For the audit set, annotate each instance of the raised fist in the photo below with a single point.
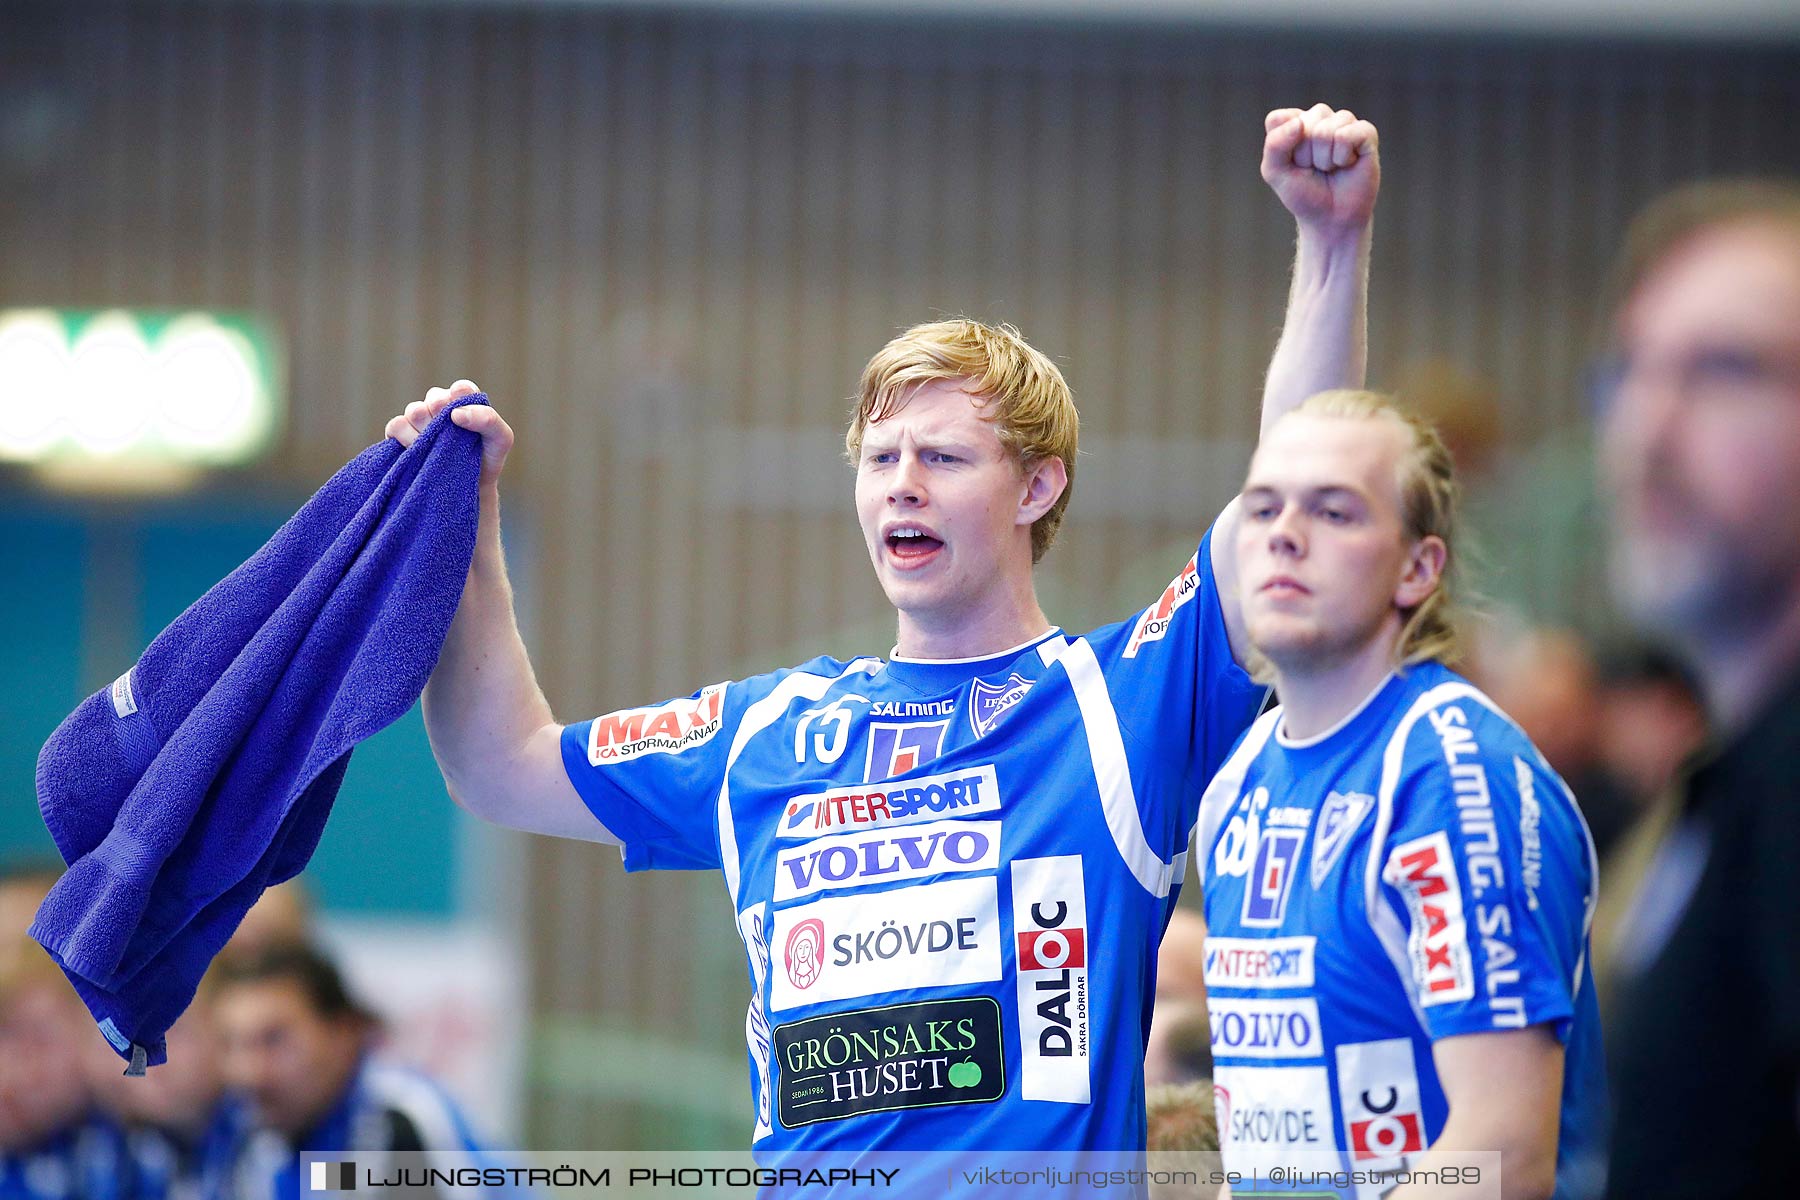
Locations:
(1324, 164)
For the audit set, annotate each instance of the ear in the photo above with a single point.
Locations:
(1424, 571)
(1045, 481)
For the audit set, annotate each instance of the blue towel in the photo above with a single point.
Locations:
(205, 773)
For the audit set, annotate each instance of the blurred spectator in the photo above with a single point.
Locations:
(53, 1142)
(281, 916)
(1183, 1125)
(1182, 1116)
(1700, 431)
(1652, 719)
(1547, 681)
(1179, 1046)
(298, 1056)
(1462, 407)
(1530, 530)
(171, 1120)
(177, 1125)
(23, 887)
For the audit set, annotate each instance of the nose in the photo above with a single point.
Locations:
(906, 486)
(1641, 420)
(1286, 539)
(245, 1067)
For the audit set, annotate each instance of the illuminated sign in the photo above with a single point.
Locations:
(160, 387)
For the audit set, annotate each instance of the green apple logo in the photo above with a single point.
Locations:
(965, 1074)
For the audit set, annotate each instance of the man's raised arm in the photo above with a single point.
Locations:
(1325, 166)
(491, 729)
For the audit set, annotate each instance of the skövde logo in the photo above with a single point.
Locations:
(898, 940)
(805, 959)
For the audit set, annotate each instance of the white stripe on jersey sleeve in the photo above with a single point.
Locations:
(1593, 896)
(1587, 837)
(1382, 919)
(1112, 770)
(758, 717)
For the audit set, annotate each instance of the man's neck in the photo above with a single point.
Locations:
(1315, 697)
(345, 1072)
(974, 636)
(1740, 671)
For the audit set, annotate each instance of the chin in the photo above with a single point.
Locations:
(907, 593)
(1666, 588)
(917, 601)
(1281, 638)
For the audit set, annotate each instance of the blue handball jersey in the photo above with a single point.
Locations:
(1414, 873)
(950, 877)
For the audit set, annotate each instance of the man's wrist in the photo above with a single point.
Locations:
(1327, 251)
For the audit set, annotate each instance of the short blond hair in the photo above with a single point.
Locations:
(1429, 495)
(1020, 389)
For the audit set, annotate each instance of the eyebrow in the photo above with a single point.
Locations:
(1329, 491)
(925, 441)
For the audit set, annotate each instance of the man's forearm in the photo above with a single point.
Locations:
(1527, 1169)
(483, 703)
(1325, 338)
(1504, 1089)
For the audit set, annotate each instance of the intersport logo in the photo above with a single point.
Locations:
(900, 802)
(886, 856)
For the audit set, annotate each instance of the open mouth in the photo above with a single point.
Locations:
(912, 545)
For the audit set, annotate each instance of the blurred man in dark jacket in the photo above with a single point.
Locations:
(1700, 446)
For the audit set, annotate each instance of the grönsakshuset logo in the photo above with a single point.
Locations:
(899, 1056)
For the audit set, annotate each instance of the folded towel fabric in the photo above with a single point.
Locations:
(204, 774)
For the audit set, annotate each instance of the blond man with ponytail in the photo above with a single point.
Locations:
(1397, 886)
(1428, 495)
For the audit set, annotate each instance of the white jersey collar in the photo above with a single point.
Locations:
(895, 656)
(1290, 743)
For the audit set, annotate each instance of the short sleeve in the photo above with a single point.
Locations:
(1171, 674)
(1488, 870)
(652, 775)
